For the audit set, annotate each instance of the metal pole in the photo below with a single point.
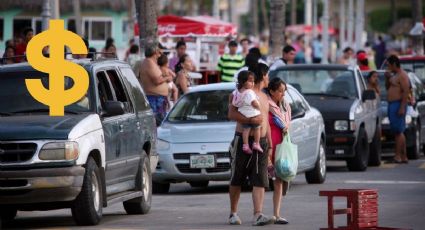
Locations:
(78, 20)
(216, 9)
(342, 15)
(325, 31)
(55, 9)
(359, 24)
(350, 23)
(45, 15)
(314, 19)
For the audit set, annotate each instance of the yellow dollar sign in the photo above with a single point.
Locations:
(56, 97)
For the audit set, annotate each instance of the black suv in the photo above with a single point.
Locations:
(101, 152)
(350, 111)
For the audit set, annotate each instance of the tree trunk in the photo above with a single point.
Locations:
(254, 10)
(265, 15)
(418, 43)
(277, 25)
(146, 16)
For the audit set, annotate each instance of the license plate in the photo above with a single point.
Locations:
(202, 161)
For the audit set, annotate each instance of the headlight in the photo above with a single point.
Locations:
(162, 145)
(341, 125)
(408, 119)
(385, 121)
(59, 151)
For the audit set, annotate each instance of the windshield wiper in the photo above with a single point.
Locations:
(42, 110)
(328, 95)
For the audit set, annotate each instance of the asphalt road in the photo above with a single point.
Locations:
(401, 204)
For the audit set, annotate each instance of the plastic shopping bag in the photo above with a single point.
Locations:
(286, 159)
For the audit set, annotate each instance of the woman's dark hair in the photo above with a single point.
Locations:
(109, 43)
(179, 65)
(370, 74)
(162, 60)
(243, 77)
(260, 70)
(134, 49)
(274, 84)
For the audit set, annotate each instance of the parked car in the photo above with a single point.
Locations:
(350, 111)
(415, 119)
(102, 151)
(197, 130)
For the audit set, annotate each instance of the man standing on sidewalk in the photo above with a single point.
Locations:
(230, 63)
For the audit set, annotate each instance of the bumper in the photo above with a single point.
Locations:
(175, 167)
(40, 185)
(340, 146)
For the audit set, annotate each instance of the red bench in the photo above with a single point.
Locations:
(361, 210)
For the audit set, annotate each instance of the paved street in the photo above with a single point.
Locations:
(401, 204)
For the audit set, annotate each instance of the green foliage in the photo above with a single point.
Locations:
(380, 19)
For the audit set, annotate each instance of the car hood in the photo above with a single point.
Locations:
(38, 127)
(330, 107)
(197, 132)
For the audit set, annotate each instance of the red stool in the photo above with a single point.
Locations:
(361, 211)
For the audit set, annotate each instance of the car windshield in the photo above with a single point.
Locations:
(15, 97)
(206, 106)
(339, 83)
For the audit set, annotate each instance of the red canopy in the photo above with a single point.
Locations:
(174, 26)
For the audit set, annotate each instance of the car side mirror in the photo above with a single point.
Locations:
(114, 108)
(421, 97)
(299, 114)
(368, 95)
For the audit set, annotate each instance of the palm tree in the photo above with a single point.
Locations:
(277, 25)
(146, 11)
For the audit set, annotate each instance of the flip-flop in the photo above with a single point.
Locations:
(394, 161)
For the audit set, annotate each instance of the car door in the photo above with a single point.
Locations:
(297, 128)
(369, 108)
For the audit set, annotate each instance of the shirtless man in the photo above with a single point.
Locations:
(154, 84)
(398, 92)
(254, 165)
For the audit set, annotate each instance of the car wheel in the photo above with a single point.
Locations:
(414, 150)
(199, 184)
(8, 214)
(160, 188)
(361, 158)
(87, 207)
(318, 174)
(141, 205)
(375, 148)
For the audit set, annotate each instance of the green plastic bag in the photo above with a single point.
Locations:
(286, 159)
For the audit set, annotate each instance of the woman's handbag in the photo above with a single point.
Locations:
(286, 159)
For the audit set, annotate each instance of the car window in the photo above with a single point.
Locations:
(207, 106)
(298, 106)
(317, 81)
(15, 97)
(111, 89)
(137, 90)
(118, 87)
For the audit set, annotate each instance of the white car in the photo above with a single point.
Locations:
(194, 138)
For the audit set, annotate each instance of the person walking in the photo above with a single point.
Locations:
(397, 97)
(230, 63)
(253, 166)
(280, 120)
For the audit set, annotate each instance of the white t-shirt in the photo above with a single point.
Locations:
(243, 102)
(278, 63)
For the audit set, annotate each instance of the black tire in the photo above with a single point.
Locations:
(160, 188)
(375, 148)
(414, 150)
(199, 184)
(317, 175)
(87, 207)
(7, 214)
(141, 205)
(361, 158)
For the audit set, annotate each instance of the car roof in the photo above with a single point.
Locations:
(316, 67)
(218, 86)
(25, 66)
(411, 58)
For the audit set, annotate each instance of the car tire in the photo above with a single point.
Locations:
(141, 205)
(414, 150)
(375, 148)
(8, 214)
(361, 158)
(160, 188)
(199, 184)
(317, 175)
(87, 207)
